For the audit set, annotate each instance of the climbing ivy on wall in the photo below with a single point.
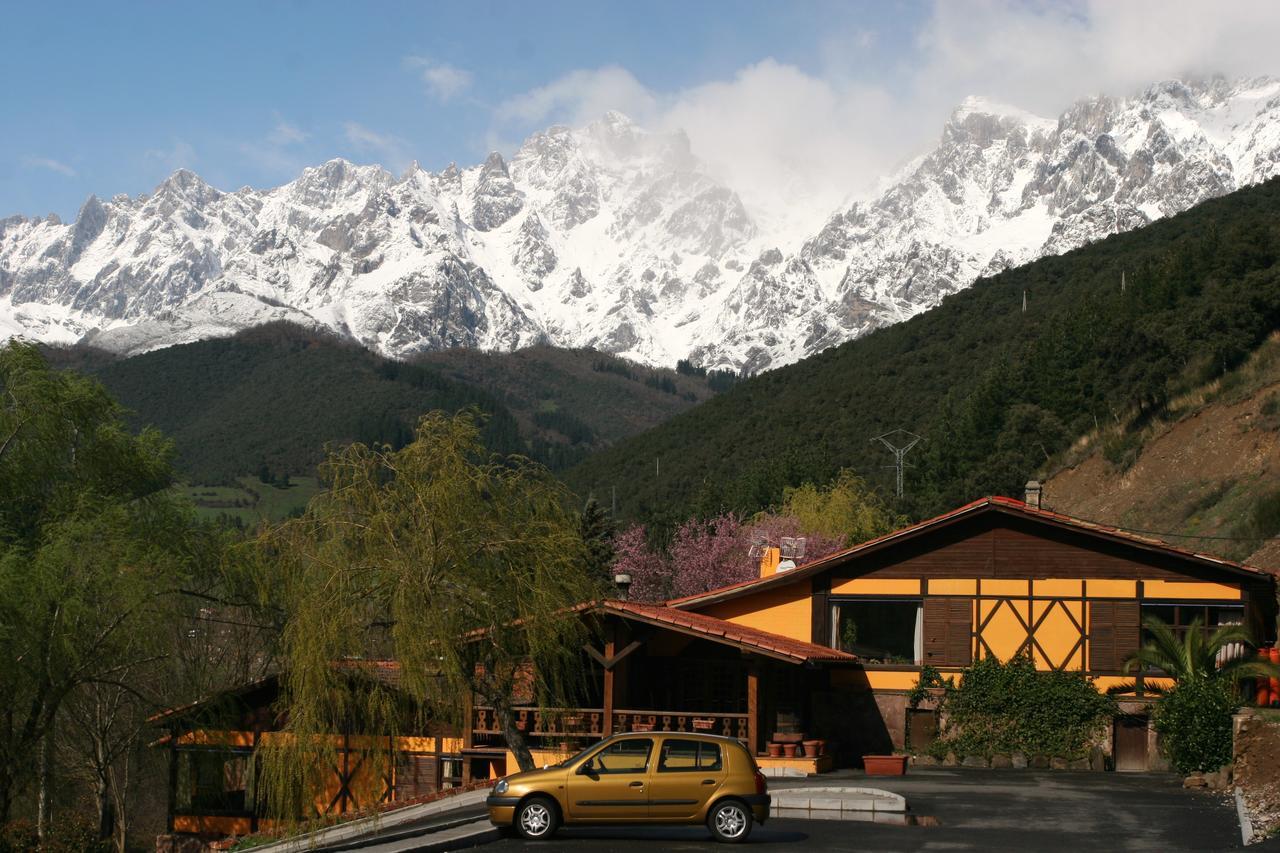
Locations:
(1006, 707)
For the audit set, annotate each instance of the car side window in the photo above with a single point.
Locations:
(680, 756)
(624, 756)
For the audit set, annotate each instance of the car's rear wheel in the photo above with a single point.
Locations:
(536, 818)
(730, 821)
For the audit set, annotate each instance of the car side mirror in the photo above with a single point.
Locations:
(585, 769)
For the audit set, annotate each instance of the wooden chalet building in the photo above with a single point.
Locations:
(827, 650)
(995, 577)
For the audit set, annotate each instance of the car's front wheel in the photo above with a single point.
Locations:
(730, 821)
(536, 818)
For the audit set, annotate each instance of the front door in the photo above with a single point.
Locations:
(686, 776)
(1131, 742)
(612, 784)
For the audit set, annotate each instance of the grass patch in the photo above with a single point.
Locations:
(251, 500)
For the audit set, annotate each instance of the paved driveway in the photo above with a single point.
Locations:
(975, 810)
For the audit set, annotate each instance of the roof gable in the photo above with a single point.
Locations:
(995, 512)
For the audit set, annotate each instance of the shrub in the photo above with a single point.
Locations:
(1194, 722)
(66, 834)
(1013, 707)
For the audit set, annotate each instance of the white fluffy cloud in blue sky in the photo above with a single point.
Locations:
(814, 100)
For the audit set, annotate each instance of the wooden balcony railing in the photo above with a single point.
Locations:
(590, 722)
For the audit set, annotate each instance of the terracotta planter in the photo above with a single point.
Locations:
(789, 750)
(775, 750)
(885, 765)
(813, 748)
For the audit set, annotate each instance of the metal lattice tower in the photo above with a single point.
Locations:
(899, 442)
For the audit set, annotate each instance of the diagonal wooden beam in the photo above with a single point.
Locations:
(614, 660)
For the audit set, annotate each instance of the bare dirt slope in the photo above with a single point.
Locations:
(1199, 476)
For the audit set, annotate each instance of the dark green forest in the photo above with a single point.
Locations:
(994, 390)
(273, 397)
(269, 399)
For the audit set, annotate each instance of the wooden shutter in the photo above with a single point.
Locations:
(1113, 634)
(948, 631)
(415, 775)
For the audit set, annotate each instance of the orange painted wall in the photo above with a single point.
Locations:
(787, 611)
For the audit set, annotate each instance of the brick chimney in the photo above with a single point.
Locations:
(1034, 491)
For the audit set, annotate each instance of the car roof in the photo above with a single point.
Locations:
(682, 735)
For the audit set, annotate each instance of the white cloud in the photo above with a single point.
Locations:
(285, 133)
(442, 80)
(391, 150)
(179, 155)
(777, 132)
(50, 164)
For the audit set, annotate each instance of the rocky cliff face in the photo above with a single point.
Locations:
(612, 237)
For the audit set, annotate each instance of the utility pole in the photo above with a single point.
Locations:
(899, 442)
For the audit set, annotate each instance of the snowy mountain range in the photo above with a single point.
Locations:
(620, 239)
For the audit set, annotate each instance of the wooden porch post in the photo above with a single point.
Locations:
(468, 735)
(173, 775)
(753, 706)
(610, 647)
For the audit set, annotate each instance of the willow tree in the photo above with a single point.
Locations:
(463, 568)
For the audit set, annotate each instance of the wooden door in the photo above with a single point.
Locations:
(1131, 742)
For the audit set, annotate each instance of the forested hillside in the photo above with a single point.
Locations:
(268, 400)
(997, 379)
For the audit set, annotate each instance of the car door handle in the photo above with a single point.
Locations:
(637, 784)
(708, 781)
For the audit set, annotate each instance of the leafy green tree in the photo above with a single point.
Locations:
(846, 509)
(94, 550)
(463, 568)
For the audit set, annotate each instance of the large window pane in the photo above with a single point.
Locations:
(879, 630)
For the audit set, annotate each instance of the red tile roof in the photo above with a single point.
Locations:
(997, 503)
(719, 630)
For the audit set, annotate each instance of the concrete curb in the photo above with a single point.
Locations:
(839, 802)
(336, 835)
(1242, 812)
(473, 834)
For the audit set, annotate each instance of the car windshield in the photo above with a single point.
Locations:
(573, 758)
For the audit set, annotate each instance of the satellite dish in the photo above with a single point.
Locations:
(786, 566)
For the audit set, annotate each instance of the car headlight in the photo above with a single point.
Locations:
(501, 787)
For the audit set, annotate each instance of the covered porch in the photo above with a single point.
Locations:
(658, 669)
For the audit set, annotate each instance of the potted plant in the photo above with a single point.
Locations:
(789, 750)
(884, 765)
(775, 750)
(812, 748)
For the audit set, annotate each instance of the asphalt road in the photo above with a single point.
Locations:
(974, 810)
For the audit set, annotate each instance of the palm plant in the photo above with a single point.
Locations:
(1197, 654)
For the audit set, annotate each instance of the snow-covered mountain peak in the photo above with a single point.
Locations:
(613, 236)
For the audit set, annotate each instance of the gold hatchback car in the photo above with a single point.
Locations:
(663, 777)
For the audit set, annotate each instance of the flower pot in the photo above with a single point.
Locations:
(789, 750)
(813, 748)
(884, 765)
(775, 750)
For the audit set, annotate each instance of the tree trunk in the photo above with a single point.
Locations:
(42, 797)
(515, 738)
(6, 793)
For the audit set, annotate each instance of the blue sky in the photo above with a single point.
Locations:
(110, 97)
